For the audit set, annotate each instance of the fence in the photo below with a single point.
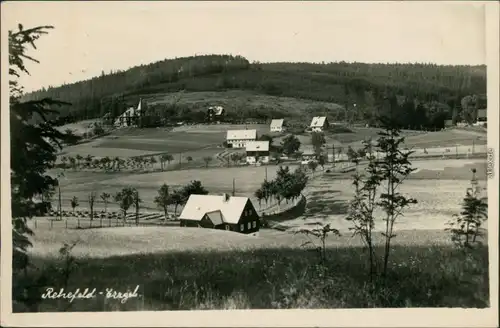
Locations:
(457, 151)
(99, 221)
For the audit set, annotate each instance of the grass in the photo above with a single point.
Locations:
(281, 277)
(235, 98)
(438, 186)
(188, 268)
(216, 180)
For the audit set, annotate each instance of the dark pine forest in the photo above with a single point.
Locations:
(421, 95)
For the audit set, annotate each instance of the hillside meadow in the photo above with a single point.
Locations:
(197, 269)
(189, 268)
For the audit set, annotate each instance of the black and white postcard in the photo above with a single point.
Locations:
(252, 164)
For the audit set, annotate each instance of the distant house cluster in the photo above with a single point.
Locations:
(319, 124)
(257, 151)
(240, 138)
(277, 125)
(129, 117)
(223, 212)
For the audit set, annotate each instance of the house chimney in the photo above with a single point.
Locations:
(225, 197)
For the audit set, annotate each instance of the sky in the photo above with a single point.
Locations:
(91, 37)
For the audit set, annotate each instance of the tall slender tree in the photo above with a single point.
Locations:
(36, 142)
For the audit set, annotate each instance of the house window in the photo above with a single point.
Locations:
(249, 225)
(254, 224)
(242, 227)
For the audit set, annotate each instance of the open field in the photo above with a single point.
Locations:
(188, 268)
(438, 139)
(216, 180)
(222, 270)
(328, 193)
(78, 128)
(109, 242)
(438, 185)
(220, 129)
(234, 98)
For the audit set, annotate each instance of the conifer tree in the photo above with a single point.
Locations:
(36, 142)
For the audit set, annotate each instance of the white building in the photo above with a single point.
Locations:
(319, 123)
(257, 151)
(127, 118)
(215, 112)
(277, 125)
(239, 138)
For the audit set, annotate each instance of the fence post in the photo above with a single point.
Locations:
(66, 221)
(36, 224)
(472, 146)
(456, 151)
(51, 224)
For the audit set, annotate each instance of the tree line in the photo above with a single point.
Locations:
(347, 84)
(129, 197)
(286, 186)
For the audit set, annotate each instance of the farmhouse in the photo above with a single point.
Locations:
(215, 112)
(129, 117)
(239, 138)
(223, 212)
(319, 123)
(257, 151)
(277, 125)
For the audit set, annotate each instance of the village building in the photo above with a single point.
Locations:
(257, 151)
(129, 117)
(223, 212)
(277, 125)
(319, 123)
(308, 154)
(239, 138)
(216, 112)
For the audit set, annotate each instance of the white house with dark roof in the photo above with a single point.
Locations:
(277, 125)
(319, 123)
(257, 151)
(223, 212)
(239, 138)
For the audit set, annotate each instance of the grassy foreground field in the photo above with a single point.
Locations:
(229, 271)
(188, 268)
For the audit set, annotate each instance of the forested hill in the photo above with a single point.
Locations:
(342, 83)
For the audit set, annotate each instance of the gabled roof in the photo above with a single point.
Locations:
(257, 146)
(199, 205)
(482, 113)
(216, 217)
(318, 121)
(241, 134)
(308, 151)
(277, 123)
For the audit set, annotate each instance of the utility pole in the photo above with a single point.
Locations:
(234, 186)
(60, 205)
(180, 157)
(333, 153)
(266, 173)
